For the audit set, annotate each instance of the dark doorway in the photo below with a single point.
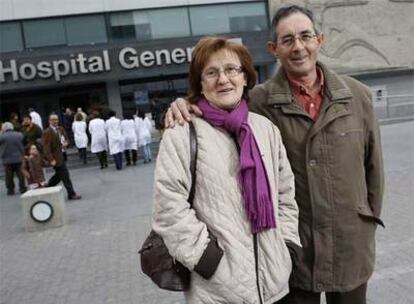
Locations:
(74, 101)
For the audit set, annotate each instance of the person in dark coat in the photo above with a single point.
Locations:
(11, 152)
(54, 141)
(67, 121)
(32, 132)
(14, 119)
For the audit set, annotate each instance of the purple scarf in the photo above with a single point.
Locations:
(255, 183)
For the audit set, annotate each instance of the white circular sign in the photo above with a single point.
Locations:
(41, 211)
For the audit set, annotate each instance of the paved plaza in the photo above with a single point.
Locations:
(93, 259)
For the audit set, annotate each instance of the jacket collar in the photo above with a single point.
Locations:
(335, 88)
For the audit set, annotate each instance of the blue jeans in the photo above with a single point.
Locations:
(147, 153)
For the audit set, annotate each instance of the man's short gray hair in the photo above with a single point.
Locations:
(7, 126)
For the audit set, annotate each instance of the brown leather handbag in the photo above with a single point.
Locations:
(156, 262)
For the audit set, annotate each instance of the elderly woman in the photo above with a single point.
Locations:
(244, 192)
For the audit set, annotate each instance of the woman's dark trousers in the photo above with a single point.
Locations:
(82, 154)
(128, 157)
(103, 160)
(118, 160)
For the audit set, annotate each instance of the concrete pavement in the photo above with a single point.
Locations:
(93, 259)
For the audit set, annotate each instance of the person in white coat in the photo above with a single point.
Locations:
(115, 138)
(143, 128)
(81, 138)
(130, 139)
(36, 118)
(99, 143)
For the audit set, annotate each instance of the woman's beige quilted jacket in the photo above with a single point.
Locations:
(218, 207)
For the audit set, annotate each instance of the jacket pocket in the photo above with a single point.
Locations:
(366, 213)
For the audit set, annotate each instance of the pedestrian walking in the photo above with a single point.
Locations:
(81, 138)
(143, 129)
(130, 139)
(11, 153)
(115, 138)
(244, 216)
(99, 143)
(54, 141)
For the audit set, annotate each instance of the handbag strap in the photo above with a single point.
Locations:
(193, 161)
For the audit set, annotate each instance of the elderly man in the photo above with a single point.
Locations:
(11, 152)
(332, 139)
(54, 142)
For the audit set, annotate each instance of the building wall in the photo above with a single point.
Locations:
(23, 9)
(362, 36)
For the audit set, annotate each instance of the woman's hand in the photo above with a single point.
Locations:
(179, 111)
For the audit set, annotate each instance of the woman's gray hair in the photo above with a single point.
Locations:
(7, 126)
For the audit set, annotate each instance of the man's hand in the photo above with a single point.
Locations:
(53, 162)
(179, 111)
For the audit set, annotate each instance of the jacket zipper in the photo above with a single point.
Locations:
(256, 262)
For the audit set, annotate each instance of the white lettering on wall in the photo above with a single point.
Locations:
(27, 71)
(128, 58)
(12, 69)
(147, 58)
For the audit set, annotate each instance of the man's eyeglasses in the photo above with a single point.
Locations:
(229, 71)
(289, 41)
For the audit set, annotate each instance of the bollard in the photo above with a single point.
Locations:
(43, 208)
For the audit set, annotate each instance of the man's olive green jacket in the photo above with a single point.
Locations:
(337, 163)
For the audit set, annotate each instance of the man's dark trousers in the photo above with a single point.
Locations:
(298, 296)
(9, 171)
(62, 174)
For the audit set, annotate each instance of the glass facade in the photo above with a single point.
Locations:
(139, 25)
(46, 32)
(10, 37)
(228, 18)
(209, 20)
(121, 26)
(86, 30)
(247, 17)
(169, 23)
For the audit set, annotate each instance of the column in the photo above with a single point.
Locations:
(114, 97)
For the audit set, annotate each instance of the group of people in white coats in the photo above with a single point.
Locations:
(119, 136)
